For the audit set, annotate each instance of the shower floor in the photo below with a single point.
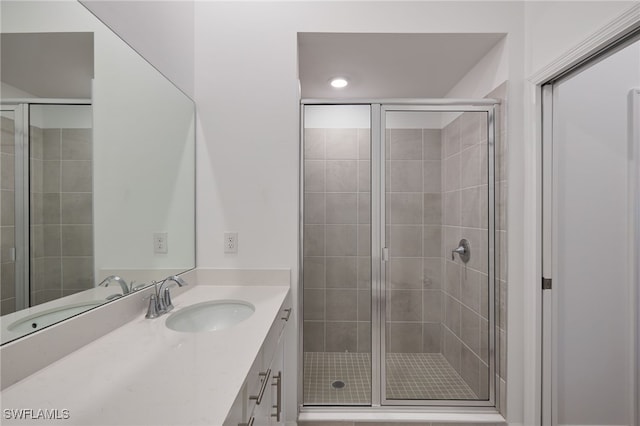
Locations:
(409, 376)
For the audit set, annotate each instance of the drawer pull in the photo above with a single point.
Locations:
(265, 380)
(278, 385)
(288, 311)
(249, 423)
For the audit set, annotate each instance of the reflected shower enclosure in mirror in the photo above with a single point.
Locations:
(98, 153)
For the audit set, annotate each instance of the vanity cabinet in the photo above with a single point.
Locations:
(260, 400)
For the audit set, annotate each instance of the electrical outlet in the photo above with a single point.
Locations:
(160, 243)
(230, 242)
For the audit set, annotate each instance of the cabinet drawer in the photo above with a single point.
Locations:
(271, 342)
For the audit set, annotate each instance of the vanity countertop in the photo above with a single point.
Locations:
(143, 373)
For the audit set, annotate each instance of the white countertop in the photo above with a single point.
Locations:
(143, 373)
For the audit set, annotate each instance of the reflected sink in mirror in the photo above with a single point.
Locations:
(46, 318)
(210, 316)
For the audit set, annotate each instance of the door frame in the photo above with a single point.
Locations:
(617, 35)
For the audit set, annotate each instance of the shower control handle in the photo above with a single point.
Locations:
(463, 250)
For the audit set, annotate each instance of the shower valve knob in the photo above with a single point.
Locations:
(463, 250)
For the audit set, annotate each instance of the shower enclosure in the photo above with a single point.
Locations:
(397, 257)
(47, 202)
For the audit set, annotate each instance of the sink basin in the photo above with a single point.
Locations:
(210, 316)
(51, 316)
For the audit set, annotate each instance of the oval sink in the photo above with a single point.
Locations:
(51, 316)
(210, 316)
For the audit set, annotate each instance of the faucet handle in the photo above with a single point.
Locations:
(167, 300)
(152, 310)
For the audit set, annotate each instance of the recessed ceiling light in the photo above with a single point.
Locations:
(339, 82)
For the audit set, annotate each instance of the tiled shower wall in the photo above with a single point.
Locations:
(337, 263)
(465, 290)
(7, 224)
(414, 232)
(61, 213)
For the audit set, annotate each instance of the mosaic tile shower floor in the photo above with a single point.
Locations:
(409, 376)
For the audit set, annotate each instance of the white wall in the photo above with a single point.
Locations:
(247, 95)
(162, 31)
(554, 27)
(143, 158)
(8, 91)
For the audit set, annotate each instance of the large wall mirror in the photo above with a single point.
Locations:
(97, 167)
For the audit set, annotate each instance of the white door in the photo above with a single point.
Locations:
(591, 178)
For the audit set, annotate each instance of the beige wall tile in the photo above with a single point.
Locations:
(51, 144)
(341, 336)
(405, 273)
(77, 240)
(432, 305)
(7, 171)
(76, 176)
(314, 208)
(364, 337)
(432, 209)
(405, 176)
(313, 336)
(341, 144)
(404, 337)
(364, 144)
(405, 144)
(76, 208)
(76, 144)
(51, 176)
(342, 208)
(452, 314)
(432, 144)
(341, 272)
(364, 176)
(314, 179)
(432, 273)
(404, 305)
(432, 173)
(341, 240)
(405, 240)
(432, 240)
(77, 273)
(314, 144)
(314, 272)
(341, 175)
(404, 208)
(7, 203)
(314, 240)
(314, 304)
(432, 338)
(341, 305)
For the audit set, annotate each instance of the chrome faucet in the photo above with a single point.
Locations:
(111, 278)
(160, 300)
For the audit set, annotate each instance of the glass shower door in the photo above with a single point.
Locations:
(436, 284)
(336, 192)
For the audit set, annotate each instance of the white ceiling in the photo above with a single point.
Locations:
(48, 65)
(388, 65)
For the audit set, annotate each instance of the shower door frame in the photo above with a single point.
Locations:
(21, 108)
(378, 108)
(22, 216)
